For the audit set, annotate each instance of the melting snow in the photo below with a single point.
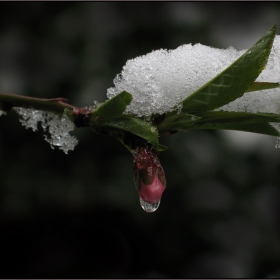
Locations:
(57, 126)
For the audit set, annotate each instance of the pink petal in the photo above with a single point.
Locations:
(152, 193)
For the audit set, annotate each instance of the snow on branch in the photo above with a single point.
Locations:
(159, 80)
(58, 127)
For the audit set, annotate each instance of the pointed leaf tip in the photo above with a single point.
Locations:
(232, 83)
(257, 86)
(115, 106)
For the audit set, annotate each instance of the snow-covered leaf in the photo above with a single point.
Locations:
(233, 81)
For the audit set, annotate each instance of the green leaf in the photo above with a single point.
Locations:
(238, 117)
(234, 80)
(220, 120)
(110, 115)
(249, 122)
(261, 128)
(161, 148)
(114, 107)
(135, 126)
(261, 86)
(177, 122)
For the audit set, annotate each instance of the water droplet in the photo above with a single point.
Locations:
(149, 207)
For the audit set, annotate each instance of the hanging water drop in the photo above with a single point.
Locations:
(149, 207)
(149, 177)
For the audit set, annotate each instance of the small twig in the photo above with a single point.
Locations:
(56, 105)
(80, 116)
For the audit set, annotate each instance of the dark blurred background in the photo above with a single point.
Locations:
(78, 215)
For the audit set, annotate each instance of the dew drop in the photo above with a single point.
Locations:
(149, 207)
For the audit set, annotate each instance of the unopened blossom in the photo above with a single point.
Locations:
(149, 175)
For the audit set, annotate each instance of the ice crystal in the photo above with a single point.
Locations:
(159, 80)
(57, 126)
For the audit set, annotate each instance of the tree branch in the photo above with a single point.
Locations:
(55, 105)
(80, 116)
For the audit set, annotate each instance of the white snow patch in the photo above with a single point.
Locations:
(58, 127)
(161, 79)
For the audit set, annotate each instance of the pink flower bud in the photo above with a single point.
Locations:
(148, 175)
